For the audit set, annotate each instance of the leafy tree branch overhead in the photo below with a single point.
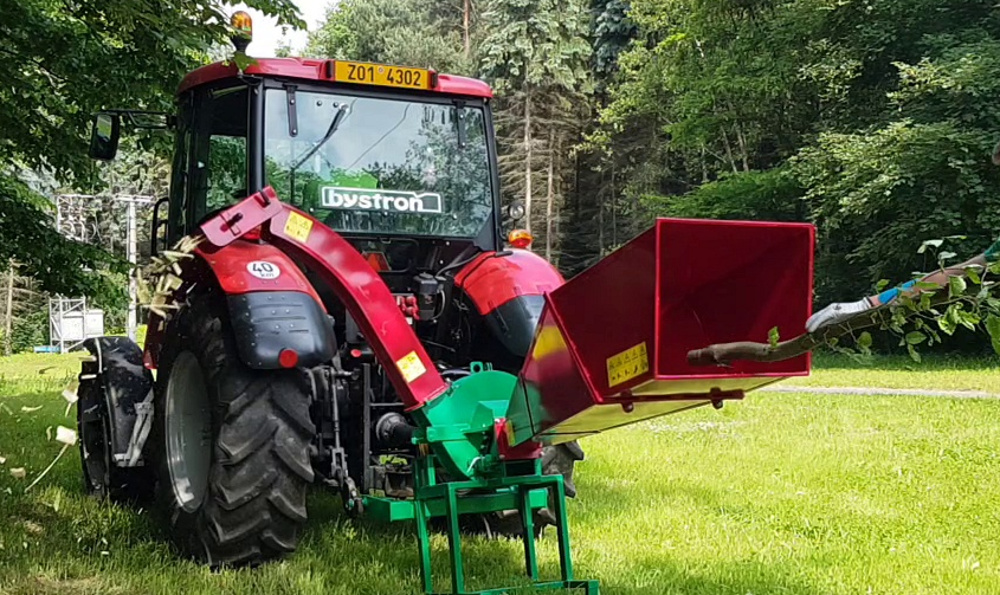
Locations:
(61, 62)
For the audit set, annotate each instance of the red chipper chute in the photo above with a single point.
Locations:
(613, 342)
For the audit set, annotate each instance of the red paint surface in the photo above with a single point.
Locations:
(242, 218)
(369, 301)
(288, 358)
(315, 70)
(682, 285)
(229, 264)
(492, 281)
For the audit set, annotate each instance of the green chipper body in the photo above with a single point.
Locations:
(609, 351)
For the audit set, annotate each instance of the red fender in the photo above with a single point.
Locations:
(491, 281)
(240, 267)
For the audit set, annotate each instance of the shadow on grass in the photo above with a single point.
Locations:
(339, 543)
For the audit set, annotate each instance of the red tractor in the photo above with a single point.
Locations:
(265, 382)
(339, 308)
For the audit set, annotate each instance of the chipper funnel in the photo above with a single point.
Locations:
(612, 345)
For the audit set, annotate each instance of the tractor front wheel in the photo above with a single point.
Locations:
(231, 443)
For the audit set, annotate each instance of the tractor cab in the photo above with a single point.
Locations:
(398, 160)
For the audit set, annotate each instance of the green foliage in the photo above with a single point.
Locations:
(877, 195)
(58, 264)
(404, 32)
(880, 115)
(61, 62)
(773, 195)
(540, 45)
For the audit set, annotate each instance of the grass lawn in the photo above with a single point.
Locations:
(946, 373)
(781, 493)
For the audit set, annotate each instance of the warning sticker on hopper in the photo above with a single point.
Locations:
(628, 364)
(411, 366)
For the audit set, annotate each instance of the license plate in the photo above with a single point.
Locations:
(382, 75)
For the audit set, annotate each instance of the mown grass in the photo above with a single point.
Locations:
(936, 371)
(781, 493)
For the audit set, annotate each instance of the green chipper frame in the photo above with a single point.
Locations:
(611, 349)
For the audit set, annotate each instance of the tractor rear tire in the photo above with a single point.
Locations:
(231, 443)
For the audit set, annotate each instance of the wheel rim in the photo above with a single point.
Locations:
(188, 432)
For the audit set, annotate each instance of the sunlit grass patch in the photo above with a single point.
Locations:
(779, 493)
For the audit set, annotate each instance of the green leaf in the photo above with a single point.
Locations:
(973, 274)
(956, 286)
(865, 342)
(945, 256)
(949, 322)
(934, 243)
(881, 285)
(915, 338)
(914, 354)
(993, 328)
(773, 338)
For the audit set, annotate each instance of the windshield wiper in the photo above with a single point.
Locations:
(460, 122)
(334, 125)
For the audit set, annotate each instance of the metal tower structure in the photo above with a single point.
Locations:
(80, 217)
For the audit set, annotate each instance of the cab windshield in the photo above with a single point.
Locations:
(392, 167)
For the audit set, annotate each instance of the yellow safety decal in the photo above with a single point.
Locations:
(628, 364)
(411, 366)
(298, 227)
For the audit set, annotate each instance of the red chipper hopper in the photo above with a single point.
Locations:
(611, 348)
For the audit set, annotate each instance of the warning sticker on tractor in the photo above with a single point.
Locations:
(298, 227)
(628, 364)
(411, 366)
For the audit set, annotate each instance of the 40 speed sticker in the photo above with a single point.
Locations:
(263, 269)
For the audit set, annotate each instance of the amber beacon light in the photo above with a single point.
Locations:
(242, 26)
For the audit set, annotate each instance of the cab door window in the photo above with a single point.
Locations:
(218, 158)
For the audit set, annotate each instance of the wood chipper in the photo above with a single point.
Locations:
(338, 308)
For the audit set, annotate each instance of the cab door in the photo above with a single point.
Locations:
(210, 162)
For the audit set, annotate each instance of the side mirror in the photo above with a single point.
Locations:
(104, 135)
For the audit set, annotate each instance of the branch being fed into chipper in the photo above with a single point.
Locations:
(724, 354)
(909, 305)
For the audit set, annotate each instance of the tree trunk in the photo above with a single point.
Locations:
(8, 345)
(600, 225)
(549, 197)
(729, 151)
(527, 160)
(743, 147)
(614, 209)
(466, 9)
